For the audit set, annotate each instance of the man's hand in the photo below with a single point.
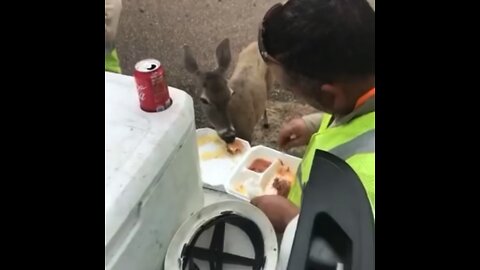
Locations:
(294, 133)
(279, 210)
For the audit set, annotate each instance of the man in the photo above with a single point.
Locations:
(324, 52)
(113, 9)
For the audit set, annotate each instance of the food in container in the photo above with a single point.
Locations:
(259, 165)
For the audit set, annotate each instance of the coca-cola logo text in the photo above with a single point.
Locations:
(141, 93)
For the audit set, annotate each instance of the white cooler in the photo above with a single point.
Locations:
(152, 175)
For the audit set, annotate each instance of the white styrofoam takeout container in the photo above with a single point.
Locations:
(241, 174)
(215, 172)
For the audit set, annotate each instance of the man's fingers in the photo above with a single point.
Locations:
(293, 143)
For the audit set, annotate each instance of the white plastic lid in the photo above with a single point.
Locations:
(236, 241)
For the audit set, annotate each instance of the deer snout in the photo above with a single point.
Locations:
(228, 135)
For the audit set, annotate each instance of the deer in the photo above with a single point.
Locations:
(233, 106)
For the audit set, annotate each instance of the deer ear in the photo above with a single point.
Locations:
(223, 55)
(189, 61)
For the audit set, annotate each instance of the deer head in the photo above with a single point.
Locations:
(213, 90)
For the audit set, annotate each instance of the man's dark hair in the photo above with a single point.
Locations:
(323, 39)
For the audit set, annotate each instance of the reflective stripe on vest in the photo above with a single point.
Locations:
(364, 143)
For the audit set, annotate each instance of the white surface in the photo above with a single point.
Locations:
(133, 138)
(287, 243)
(242, 173)
(236, 241)
(213, 196)
(146, 180)
(217, 171)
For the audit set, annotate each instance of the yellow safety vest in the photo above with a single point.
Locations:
(354, 142)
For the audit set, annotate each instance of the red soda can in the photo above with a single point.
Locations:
(151, 86)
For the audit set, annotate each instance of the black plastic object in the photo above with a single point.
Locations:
(336, 220)
(215, 254)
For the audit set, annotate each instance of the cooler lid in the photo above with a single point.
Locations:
(225, 235)
(138, 144)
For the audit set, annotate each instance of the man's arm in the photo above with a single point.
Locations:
(313, 121)
(279, 210)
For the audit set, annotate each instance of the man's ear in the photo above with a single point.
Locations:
(329, 88)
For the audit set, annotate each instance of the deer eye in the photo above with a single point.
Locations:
(204, 101)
